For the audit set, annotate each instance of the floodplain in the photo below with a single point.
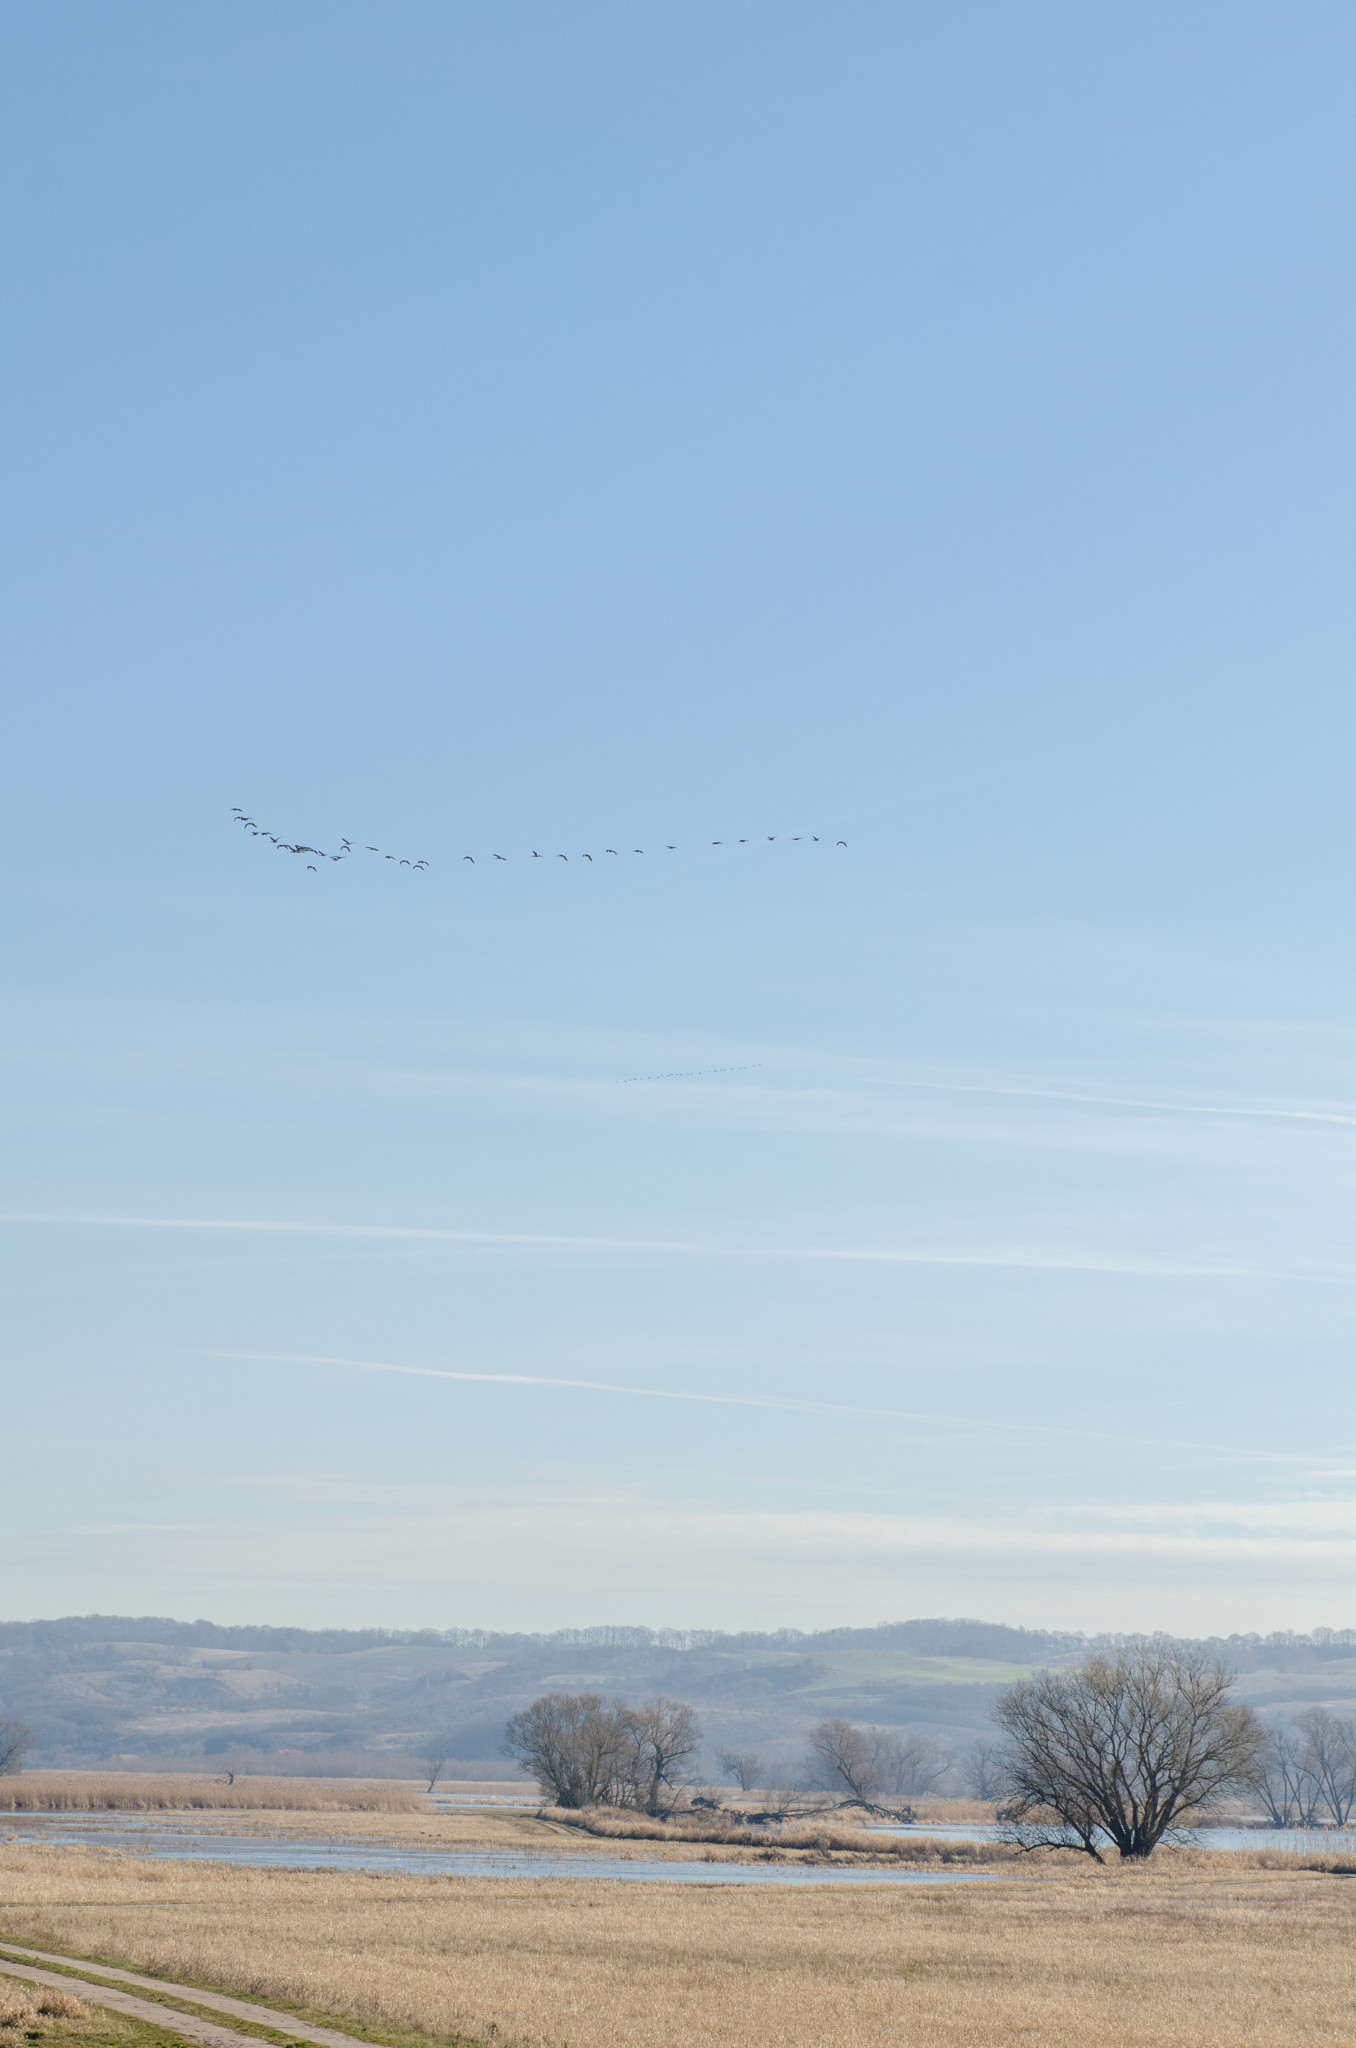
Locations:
(1196, 1950)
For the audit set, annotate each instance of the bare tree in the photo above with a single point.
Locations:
(911, 1765)
(435, 1766)
(981, 1770)
(1329, 1755)
(1284, 1780)
(742, 1766)
(571, 1743)
(586, 1751)
(1124, 1748)
(16, 1739)
(862, 1765)
(661, 1738)
(847, 1760)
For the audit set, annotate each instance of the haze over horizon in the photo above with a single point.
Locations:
(467, 432)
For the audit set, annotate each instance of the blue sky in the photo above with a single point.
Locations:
(470, 430)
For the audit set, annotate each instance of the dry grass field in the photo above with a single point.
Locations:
(94, 1792)
(24, 2007)
(1195, 1951)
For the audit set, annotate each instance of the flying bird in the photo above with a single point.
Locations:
(299, 847)
(311, 868)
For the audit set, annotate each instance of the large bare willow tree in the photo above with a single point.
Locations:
(1124, 1748)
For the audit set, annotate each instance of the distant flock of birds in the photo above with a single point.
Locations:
(417, 867)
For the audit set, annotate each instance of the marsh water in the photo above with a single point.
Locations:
(138, 1836)
(144, 1835)
(1295, 1841)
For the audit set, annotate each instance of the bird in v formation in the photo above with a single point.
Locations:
(282, 845)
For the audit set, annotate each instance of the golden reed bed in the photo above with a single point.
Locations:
(1195, 1951)
(92, 1792)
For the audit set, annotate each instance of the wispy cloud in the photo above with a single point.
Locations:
(967, 1425)
(1232, 1111)
(1026, 1258)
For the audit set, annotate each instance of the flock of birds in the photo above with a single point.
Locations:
(259, 831)
(417, 867)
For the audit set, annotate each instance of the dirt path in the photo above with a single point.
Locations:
(189, 2025)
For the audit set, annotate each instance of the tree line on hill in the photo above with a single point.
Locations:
(934, 1637)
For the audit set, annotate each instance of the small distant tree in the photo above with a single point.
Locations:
(16, 1739)
(660, 1740)
(912, 1765)
(981, 1769)
(435, 1766)
(847, 1760)
(741, 1766)
(1124, 1748)
(1328, 1752)
(1284, 1780)
(865, 1765)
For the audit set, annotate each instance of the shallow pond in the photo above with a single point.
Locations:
(142, 1837)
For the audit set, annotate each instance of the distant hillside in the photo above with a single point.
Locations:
(95, 1687)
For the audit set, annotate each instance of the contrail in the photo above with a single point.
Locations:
(1020, 1258)
(785, 1403)
(1231, 1110)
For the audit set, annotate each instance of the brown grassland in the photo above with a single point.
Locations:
(23, 2007)
(111, 1792)
(1192, 1951)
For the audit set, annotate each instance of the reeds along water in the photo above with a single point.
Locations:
(807, 1836)
(97, 1792)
